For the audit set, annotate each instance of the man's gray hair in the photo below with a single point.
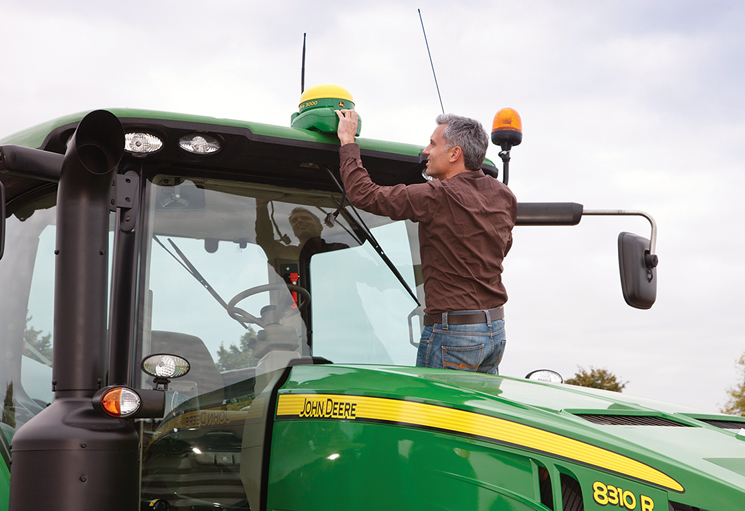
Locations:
(469, 135)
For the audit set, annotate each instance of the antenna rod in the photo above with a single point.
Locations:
(302, 69)
(430, 60)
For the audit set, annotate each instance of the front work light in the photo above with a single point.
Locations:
(199, 143)
(164, 365)
(547, 375)
(142, 143)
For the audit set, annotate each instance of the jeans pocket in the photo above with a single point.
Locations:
(464, 358)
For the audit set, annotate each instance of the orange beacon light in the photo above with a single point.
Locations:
(507, 131)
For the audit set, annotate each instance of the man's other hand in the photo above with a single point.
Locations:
(347, 129)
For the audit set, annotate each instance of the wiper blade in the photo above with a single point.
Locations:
(189, 267)
(370, 237)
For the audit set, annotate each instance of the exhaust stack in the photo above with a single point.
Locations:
(85, 460)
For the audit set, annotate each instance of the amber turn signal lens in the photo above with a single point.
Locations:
(120, 402)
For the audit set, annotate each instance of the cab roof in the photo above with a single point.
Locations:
(263, 152)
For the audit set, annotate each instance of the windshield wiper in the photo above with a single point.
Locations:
(360, 224)
(198, 276)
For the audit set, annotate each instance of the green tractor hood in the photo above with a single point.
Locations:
(651, 451)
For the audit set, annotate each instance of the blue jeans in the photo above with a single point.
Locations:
(475, 347)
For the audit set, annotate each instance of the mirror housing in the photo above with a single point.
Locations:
(638, 270)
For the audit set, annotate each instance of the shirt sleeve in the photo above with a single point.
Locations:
(417, 202)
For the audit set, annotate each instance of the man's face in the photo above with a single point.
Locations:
(438, 156)
(305, 225)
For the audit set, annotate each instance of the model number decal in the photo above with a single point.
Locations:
(328, 409)
(606, 494)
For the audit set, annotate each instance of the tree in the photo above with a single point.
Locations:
(9, 410)
(597, 379)
(237, 356)
(41, 343)
(736, 403)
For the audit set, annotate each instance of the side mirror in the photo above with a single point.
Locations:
(638, 270)
(2, 219)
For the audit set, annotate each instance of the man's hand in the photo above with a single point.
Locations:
(347, 129)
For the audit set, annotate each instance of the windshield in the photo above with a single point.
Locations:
(250, 270)
(240, 279)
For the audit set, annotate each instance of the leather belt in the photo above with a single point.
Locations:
(465, 319)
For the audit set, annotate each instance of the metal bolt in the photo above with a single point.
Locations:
(83, 479)
(83, 445)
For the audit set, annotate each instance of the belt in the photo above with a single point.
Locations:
(465, 319)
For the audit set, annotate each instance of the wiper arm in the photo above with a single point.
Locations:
(369, 235)
(189, 267)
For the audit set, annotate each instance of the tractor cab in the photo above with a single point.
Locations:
(194, 317)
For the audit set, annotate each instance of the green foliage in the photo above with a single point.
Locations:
(237, 356)
(597, 379)
(42, 343)
(736, 403)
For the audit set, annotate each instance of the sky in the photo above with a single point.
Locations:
(631, 104)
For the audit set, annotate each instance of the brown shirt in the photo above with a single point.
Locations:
(465, 230)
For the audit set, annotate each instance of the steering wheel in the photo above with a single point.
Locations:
(240, 314)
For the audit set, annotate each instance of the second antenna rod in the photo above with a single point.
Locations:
(430, 60)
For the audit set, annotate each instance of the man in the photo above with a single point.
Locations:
(465, 230)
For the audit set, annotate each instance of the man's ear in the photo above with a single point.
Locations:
(455, 152)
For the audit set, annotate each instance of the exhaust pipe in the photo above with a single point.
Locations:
(83, 459)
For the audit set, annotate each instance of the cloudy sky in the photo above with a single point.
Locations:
(625, 105)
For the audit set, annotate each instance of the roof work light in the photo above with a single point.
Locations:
(316, 110)
(142, 143)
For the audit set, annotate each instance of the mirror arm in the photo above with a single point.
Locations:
(651, 258)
